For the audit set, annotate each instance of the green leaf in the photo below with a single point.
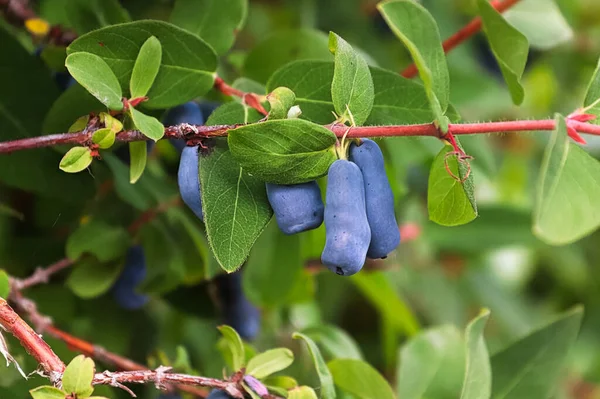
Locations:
(510, 47)
(273, 268)
(432, 365)
(541, 21)
(88, 15)
(8, 211)
(352, 87)
(215, 21)
(269, 362)
(478, 376)
(186, 71)
(533, 365)
(145, 68)
(76, 160)
(302, 392)
(327, 388)
(450, 202)
(236, 346)
(93, 73)
(138, 152)
(281, 100)
(78, 376)
(47, 392)
(80, 124)
(360, 379)
(148, 125)
(104, 241)
(283, 47)
(566, 171)
(417, 29)
(284, 151)
(334, 341)
(104, 137)
(110, 122)
(91, 278)
(4, 284)
(592, 97)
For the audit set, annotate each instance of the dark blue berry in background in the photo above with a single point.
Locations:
(169, 396)
(237, 311)
(189, 112)
(297, 207)
(379, 199)
(189, 181)
(134, 272)
(218, 394)
(347, 232)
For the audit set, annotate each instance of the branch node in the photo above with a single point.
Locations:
(160, 372)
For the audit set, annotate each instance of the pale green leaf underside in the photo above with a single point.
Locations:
(478, 376)
(360, 379)
(145, 68)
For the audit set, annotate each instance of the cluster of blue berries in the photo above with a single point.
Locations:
(359, 216)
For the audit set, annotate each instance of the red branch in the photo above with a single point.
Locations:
(251, 99)
(462, 35)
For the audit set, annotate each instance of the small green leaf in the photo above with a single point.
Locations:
(236, 346)
(352, 87)
(592, 97)
(47, 392)
(303, 392)
(566, 171)
(284, 151)
(91, 278)
(4, 284)
(215, 21)
(478, 375)
(138, 152)
(281, 100)
(417, 29)
(327, 388)
(146, 67)
(280, 381)
(104, 241)
(510, 47)
(78, 376)
(533, 365)
(148, 125)
(450, 202)
(360, 379)
(334, 341)
(93, 73)
(104, 137)
(76, 160)
(79, 124)
(111, 122)
(266, 363)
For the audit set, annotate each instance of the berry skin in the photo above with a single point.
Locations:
(347, 229)
(133, 274)
(297, 207)
(189, 112)
(218, 394)
(188, 180)
(379, 199)
(238, 312)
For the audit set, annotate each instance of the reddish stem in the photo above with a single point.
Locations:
(250, 99)
(462, 35)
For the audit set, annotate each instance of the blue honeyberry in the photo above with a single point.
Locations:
(297, 207)
(218, 394)
(385, 235)
(189, 112)
(169, 396)
(347, 232)
(237, 311)
(134, 272)
(189, 181)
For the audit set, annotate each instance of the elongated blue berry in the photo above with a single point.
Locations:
(385, 235)
(189, 181)
(218, 394)
(297, 207)
(347, 228)
(189, 112)
(238, 312)
(134, 272)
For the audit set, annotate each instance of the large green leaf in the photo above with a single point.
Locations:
(188, 63)
(592, 97)
(360, 379)
(352, 86)
(510, 47)
(417, 29)
(104, 241)
(88, 15)
(217, 22)
(450, 200)
(325, 377)
(478, 376)
(532, 366)
(334, 341)
(568, 184)
(93, 73)
(432, 365)
(90, 278)
(284, 151)
(266, 363)
(145, 68)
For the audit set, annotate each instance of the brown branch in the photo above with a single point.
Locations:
(41, 275)
(462, 35)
